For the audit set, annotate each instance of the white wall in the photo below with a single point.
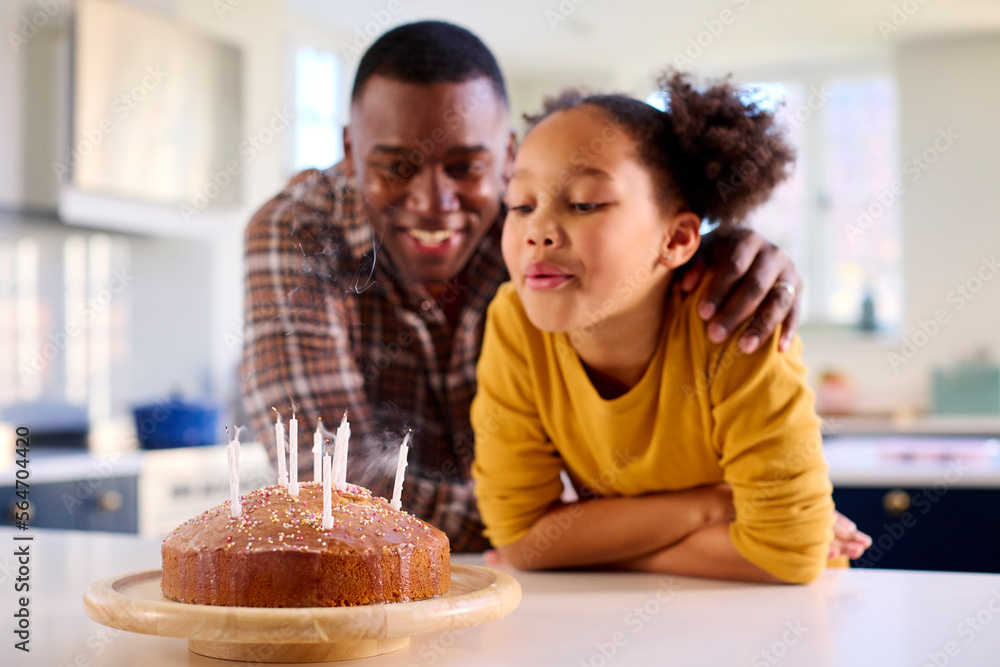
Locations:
(952, 215)
(951, 221)
(11, 116)
(29, 136)
(526, 91)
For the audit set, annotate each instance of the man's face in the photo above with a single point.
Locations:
(430, 162)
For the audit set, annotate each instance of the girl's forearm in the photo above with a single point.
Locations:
(614, 529)
(707, 552)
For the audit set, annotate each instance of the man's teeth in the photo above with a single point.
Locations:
(431, 237)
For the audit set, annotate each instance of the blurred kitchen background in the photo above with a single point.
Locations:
(139, 136)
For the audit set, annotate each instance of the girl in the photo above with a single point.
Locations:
(691, 457)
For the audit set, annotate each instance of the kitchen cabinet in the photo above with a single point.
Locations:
(108, 505)
(929, 503)
(147, 492)
(921, 529)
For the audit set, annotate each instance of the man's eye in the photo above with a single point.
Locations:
(465, 169)
(399, 168)
(586, 207)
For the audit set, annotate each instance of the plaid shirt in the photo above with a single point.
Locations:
(330, 326)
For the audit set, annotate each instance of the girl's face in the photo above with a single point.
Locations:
(585, 239)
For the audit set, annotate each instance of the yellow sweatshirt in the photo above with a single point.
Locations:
(703, 413)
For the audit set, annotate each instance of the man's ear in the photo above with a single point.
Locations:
(348, 152)
(508, 165)
(681, 240)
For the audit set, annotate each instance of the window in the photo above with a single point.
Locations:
(862, 236)
(63, 328)
(830, 215)
(318, 117)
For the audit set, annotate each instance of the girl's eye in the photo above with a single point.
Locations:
(522, 210)
(586, 207)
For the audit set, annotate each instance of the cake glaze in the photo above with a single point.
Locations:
(277, 554)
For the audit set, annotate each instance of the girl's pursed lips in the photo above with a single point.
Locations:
(545, 269)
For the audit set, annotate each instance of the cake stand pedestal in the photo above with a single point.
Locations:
(343, 650)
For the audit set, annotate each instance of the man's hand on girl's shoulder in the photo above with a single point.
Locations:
(751, 279)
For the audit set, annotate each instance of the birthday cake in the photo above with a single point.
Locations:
(278, 554)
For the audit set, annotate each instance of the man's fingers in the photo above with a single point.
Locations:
(694, 270)
(776, 307)
(732, 261)
(747, 298)
(791, 324)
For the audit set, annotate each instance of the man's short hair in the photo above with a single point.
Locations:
(426, 53)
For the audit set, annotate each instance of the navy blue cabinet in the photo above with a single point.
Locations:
(109, 504)
(953, 529)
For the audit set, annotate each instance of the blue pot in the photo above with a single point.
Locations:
(174, 423)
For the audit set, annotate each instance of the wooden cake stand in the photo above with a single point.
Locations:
(134, 602)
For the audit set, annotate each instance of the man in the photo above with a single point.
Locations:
(367, 283)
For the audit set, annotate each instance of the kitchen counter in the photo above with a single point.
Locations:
(944, 425)
(848, 617)
(907, 460)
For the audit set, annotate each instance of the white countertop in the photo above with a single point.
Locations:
(853, 618)
(49, 466)
(911, 461)
(977, 425)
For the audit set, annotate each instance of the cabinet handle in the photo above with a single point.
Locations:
(896, 502)
(12, 511)
(110, 501)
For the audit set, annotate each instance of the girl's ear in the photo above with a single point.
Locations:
(681, 240)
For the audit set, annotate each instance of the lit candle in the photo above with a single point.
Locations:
(340, 454)
(318, 451)
(233, 453)
(279, 438)
(397, 489)
(327, 499)
(293, 457)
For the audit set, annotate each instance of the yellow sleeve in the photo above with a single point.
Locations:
(768, 433)
(516, 467)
